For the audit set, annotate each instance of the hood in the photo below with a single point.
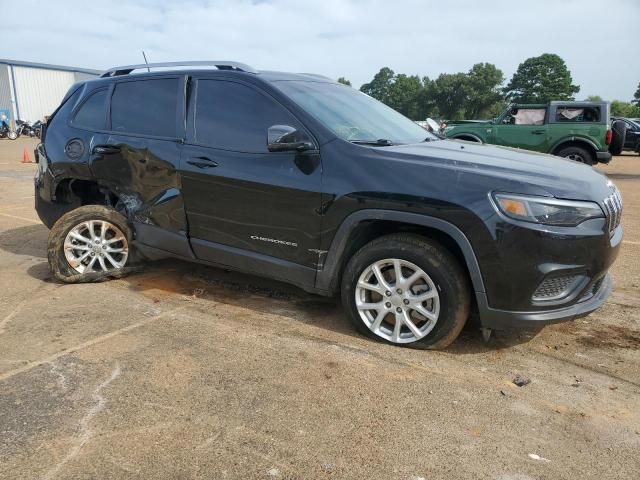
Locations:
(558, 177)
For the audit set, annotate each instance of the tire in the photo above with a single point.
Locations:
(12, 135)
(578, 154)
(99, 247)
(445, 282)
(619, 129)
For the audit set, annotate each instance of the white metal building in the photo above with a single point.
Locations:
(30, 91)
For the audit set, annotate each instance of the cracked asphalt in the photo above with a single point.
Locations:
(183, 371)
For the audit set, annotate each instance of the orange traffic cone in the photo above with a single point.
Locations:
(25, 156)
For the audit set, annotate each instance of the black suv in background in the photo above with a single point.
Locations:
(632, 138)
(304, 180)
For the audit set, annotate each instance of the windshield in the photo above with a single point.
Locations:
(352, 115)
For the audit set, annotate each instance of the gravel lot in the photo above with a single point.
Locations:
(184, 371)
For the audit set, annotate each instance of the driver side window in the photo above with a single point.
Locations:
(233, 116)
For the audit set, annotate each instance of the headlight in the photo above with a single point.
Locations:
(547, 211)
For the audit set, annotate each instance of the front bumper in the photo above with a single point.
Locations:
(504, 319)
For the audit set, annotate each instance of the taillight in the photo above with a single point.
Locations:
(608, 137)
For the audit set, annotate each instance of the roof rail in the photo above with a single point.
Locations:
(219, 64)
(317, 75)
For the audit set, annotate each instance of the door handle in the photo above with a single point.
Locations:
(106, 149)
(202, 162)
(538, 132)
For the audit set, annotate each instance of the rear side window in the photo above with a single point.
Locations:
(93, 112)
(147, 107)
(583, 114)
(236, 117)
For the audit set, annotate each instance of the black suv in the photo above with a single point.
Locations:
(632, 137)
(304, 180)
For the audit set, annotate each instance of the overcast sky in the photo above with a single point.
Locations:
(598, 39)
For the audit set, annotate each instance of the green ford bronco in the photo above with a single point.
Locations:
(577, 130)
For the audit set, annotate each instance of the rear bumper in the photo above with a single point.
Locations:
(49, 212)
(44, 183)
(603, 157)
(504, 319)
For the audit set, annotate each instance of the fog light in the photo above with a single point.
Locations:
(555, 288)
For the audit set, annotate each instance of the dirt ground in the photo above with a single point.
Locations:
(184, 371)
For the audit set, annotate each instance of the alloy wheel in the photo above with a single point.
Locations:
(576, 156)
(397, 300)
(96, 246)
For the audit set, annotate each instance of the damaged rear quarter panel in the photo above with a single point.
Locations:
(140, 171)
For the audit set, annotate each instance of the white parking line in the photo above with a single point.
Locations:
(630, 242)
(11, 207)
(88, 343)
(19, 218)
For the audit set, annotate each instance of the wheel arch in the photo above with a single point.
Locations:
(363, 226)
(468, 137)
(69, 193)
(83, 191)
(575, 142)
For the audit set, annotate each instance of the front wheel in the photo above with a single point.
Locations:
(88, 244)
(12, 135)
(406, 290)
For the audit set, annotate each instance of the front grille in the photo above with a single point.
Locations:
(555, 287)
(613, 209)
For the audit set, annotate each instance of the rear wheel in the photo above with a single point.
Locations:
(406, 290)
(89, 243)
(578, 154)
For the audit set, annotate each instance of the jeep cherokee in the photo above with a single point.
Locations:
(304, 180)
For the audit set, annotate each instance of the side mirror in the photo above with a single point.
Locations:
(284, 138)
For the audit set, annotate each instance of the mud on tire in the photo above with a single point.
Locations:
(58, 262)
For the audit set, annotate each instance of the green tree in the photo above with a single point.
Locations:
(475, 94)
(484, 96)
(472, 95)
(624, 109)
(404, 95)
(450, 95)
(380, 86)
(636, 97)
(593, 98)
(344, 81)
(426, 100)
(541, 79)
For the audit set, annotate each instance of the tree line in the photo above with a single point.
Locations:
(479, 93)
